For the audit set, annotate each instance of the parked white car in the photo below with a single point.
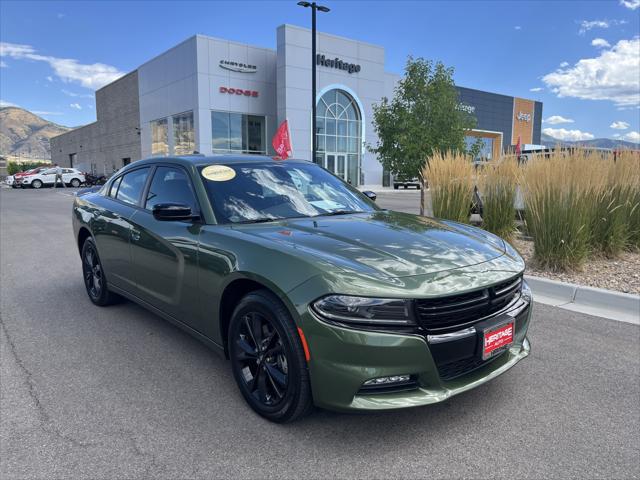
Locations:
(70, 176)
(11, 181)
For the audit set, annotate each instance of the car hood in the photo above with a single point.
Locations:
(382, 243)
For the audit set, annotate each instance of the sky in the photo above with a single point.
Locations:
(580, 58)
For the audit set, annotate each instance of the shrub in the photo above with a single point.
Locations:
(451, 182)
(497, 183)
(559, 193)
(13, 167)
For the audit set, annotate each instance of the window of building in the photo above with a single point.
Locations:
(339, 135)
(171, 185)
(183, 134)
(236, 132)
(160, 137)
(486, 150)
(126, 161)
(131, 186)
(72, 159)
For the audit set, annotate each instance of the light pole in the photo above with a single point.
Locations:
(314, 6)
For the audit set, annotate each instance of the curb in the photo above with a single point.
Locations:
(623, 307)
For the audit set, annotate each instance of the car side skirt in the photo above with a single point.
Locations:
(219, 349)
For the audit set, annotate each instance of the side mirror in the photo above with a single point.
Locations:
(371, 195)
(172, 211)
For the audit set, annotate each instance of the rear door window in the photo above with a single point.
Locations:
(131, 186)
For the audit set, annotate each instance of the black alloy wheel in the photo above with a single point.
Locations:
(267, 358)
(94, 277)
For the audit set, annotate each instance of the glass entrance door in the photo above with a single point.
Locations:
(337, 163)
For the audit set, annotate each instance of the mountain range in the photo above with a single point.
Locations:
(26, 134)
(549, 141)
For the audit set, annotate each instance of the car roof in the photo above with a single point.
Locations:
(202, 160)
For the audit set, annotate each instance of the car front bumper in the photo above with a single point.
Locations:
(342, 359)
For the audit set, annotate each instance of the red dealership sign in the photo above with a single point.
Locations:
(239, 91)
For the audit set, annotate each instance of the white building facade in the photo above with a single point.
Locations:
(210, 95)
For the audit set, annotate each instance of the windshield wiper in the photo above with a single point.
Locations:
(259, 220)
(337, 212)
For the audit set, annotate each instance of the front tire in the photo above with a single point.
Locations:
(36, 184)
(268, 360)
(75, 183)
(94, 278)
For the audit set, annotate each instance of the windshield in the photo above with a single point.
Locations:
(253, 192)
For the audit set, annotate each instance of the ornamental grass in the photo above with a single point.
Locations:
(451, 181)
(626, 175)
(560, 193)
(497, 183)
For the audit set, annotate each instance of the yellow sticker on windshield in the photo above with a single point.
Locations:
(218, 173)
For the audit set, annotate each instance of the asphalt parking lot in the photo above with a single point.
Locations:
(118, 392)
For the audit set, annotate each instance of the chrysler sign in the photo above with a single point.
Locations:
(337, 63)
(238, 66)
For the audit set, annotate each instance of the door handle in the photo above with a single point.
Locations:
(135, 235)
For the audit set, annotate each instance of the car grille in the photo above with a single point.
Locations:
(454, 311)
(453, 370)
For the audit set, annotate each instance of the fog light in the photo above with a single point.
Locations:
(388, 380)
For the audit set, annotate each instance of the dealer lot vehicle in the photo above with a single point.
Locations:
(70, 176)
(315, 294)
(15, 181)
(405, 182)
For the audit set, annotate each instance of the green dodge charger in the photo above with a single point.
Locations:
(315, 295)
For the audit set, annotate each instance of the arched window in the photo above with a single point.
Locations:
(339, 135)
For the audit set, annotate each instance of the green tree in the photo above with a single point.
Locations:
(423, 117)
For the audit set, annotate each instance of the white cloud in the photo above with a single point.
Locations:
(40, 112)
(619, 125)
(564, 64)
(614, 76)
(632, 137)
(616, 135)
(631, 4)
(586, 25)
(3, 65)
(536, 89)
(79, 95)
(600, 43)
(570, 135)
(77, 106)
(517, 27)
(557, 119)
(50, 78)
(92, 76)
(61, 15)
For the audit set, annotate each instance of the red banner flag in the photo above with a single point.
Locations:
(518, 147)
(282, 141)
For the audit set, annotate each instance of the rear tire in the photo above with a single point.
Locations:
(94, 279)
(36, 184)
(395, 187)
(267, 358)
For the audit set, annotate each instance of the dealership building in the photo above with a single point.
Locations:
(210, 96)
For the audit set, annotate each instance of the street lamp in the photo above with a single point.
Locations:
(314, 6)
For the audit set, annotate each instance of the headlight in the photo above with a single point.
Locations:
(365, 311)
